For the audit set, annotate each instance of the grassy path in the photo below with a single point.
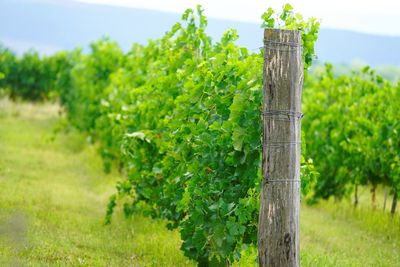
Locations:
(331, 239)
(52, 201)
(53, 195)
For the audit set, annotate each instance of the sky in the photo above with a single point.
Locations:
(52, 25)
(368, 16)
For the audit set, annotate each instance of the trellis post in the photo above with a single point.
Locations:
(278, 230)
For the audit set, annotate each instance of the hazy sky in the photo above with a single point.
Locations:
(370, 16)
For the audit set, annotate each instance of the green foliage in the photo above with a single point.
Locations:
(351, 131)
(294, 21)
(32, 77)
(7, 60)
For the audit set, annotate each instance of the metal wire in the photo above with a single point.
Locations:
(285, 180)
(274, 45)
(288, 113)
(290, 49)
(280, 144)
(267, 41)
(280, 119)
(282, 181)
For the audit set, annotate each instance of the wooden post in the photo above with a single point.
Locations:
(355, 195)
(394, 203)
(278, 228)
(385, 198)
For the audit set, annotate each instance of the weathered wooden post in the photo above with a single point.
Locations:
(278, 229)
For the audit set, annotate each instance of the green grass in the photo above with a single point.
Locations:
(53, 194)
(332, 236)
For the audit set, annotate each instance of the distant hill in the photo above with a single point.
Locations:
(49, 26)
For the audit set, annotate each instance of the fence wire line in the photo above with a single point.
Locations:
(289, 113)
(292, 44)
(280, 144)
(282, 181)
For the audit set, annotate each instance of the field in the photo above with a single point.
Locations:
(53, 194)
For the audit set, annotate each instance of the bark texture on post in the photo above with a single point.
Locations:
(278, 229)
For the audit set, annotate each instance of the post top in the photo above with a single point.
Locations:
(291, 37)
